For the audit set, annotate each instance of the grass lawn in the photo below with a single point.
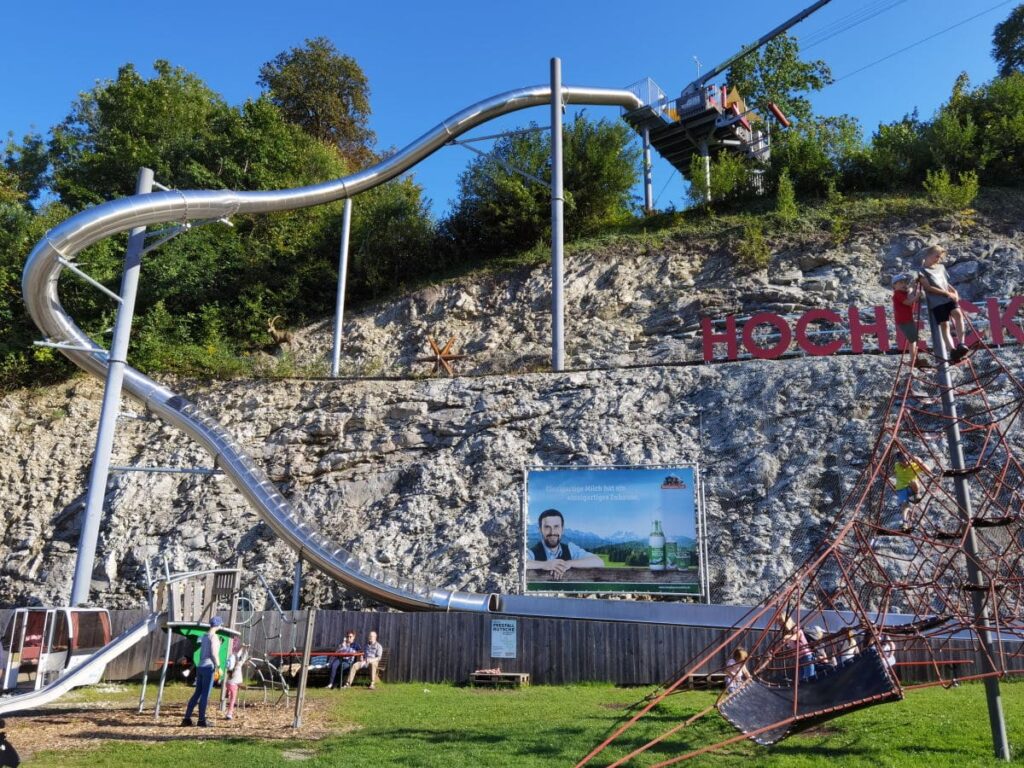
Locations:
(448, 727)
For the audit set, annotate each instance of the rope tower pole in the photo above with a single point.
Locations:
(979, 594)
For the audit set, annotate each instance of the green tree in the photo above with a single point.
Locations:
(818, 149)
(899, 153)
(324, 92)
(392, 241)
(27, 162)
(498, 211)
(730, 178)
(1008, 43)
(171, 123)
(777, 74)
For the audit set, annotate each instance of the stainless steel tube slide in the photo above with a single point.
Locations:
(63, 242)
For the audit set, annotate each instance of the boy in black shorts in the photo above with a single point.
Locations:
(943, 300)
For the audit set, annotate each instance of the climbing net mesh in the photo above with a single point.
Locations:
(916, 588)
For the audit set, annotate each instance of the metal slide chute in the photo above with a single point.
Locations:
(61, 244)
(86, 672)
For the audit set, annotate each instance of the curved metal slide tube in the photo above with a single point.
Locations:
(85, 672)
(63, 242)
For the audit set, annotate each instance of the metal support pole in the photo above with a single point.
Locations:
(648, 177)
(111, 406)
(297, 584)
(557, 224)
(978, 596)
(707, 171)
(300, 698)
(339, 304)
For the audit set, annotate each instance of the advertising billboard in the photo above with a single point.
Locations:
(635, 529)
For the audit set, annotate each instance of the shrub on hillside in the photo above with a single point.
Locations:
(730, 179)
(753, 252)
(785, 199)
(947, 195)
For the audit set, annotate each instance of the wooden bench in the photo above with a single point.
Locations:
(706, 680)
(500, 679)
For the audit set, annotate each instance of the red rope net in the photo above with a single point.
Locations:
(895, 593)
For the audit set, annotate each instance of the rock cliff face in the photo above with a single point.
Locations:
(424, 475)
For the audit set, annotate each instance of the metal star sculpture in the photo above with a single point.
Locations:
(441, 357)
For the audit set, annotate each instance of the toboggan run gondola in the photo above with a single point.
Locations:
(882, 600)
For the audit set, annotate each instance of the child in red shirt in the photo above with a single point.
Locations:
(905, 295)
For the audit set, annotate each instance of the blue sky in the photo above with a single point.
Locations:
(606, 501)
(427, 60)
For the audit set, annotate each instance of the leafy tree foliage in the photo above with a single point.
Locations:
(1008, 43)
(27, 163)
(393, 239)
(499, 211)
(204, 297)
(324, 92)
(730, 178)
(817, 149)
(777, 74)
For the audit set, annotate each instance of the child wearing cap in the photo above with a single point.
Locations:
(905, 295)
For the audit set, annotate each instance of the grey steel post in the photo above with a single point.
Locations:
(704, 153)
(978, 595)
(297, 583)
(111, 406)
(557, 225)
(648, 178)
(339, 304)
(300, 698)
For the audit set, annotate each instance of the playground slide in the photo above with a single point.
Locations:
(86, 671)
(60, 245)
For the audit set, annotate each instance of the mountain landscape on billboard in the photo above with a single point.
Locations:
(589, 540)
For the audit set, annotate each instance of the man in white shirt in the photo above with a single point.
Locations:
(372, 654)
(554, 555)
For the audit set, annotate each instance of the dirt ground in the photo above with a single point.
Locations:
(80, 721)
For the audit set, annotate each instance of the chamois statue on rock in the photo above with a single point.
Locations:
(281, 336)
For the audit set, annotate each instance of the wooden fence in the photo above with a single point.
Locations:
(437, 647)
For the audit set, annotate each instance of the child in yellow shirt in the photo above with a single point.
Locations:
(907, 484)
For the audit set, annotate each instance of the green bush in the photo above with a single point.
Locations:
(785, 199)
(499, 212)
(753, 252)
(730, 179)
(947, 195)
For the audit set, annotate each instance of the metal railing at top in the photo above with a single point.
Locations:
(651, 94)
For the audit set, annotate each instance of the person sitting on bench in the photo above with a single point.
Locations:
(343, 664)
(371, 658)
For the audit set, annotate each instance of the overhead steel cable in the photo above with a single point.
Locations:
(848, 22)
(924, 40)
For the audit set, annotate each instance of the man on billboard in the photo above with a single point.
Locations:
(554, 555)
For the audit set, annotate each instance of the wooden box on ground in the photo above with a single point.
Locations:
(500, 679)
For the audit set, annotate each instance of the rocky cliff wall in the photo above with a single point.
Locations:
(424, 475)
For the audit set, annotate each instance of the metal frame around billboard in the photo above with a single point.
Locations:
(700, 521)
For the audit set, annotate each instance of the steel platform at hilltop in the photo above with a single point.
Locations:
(709, 119)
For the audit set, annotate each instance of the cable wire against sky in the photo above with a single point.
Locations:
(858, 17)
(924, 40)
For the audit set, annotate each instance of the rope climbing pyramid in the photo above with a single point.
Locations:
(918, 584)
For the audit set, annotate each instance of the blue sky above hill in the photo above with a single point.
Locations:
(426, 61)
